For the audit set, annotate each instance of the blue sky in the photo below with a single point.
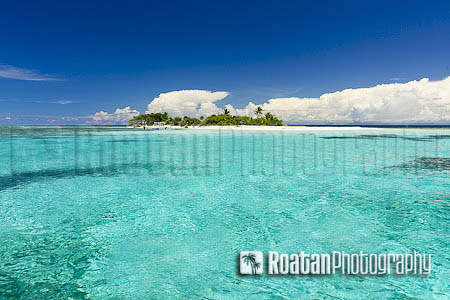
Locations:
(102, 55)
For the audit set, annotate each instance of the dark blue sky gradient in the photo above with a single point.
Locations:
(113, 54)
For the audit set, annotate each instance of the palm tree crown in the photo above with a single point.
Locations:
(250, 259)
(258, 111)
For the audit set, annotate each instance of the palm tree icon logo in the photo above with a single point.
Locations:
(251, 259)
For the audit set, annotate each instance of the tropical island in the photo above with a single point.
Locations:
(224, 119)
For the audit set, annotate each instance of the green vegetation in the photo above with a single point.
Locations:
(190, 122)
(223, 119)
(149, 119)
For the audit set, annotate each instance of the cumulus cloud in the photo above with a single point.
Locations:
(248, 110)
(11, 72)
(421, 101)
(193, 103)
(120, 115)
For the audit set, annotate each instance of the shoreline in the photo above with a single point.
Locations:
(240, 127)
(255, 128)
(284, 128)
(277, 128)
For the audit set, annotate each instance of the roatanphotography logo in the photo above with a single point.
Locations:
(251, 262)
(338, 262)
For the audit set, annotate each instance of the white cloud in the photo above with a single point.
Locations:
(193, 103)
(248, 110)
(421, 101)
(62, 102)
(120, 115)
(11, 72)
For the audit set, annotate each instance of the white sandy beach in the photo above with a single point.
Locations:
(282, 128)
(271, 128)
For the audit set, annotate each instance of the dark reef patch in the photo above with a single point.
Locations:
(439, 137)
(427, 138)
(425, 163)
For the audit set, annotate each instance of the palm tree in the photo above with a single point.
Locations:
(256, 266)
(269, 116)
(250, 259)
(226, 112)
(258, 111)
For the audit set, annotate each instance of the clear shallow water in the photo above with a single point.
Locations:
(121, 214)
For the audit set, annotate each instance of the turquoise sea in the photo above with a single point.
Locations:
(116, 213)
